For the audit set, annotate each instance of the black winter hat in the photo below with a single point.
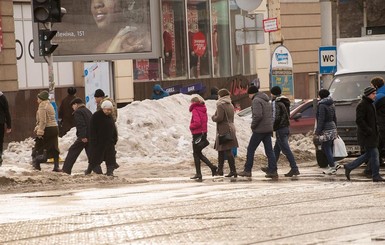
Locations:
(323, 93)
(368, 91)
(276, 90)
(77, 101)
(71, 91)
(252, 90)
(99, 93)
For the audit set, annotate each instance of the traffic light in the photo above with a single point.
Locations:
(47, 11)
(45, 46)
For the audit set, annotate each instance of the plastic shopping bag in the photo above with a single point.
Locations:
(339, 149)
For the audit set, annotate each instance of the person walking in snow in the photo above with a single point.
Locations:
(82, 122)
(65, 114)
(281, 111)
(326, 129)
(224, 117)
(262, 127)
(367, 134)
(158, 92)
(198, 128)
(103, 138)
(5, 122)
(47, 131)
(100, 97)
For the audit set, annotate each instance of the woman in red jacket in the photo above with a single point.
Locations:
(198, 128)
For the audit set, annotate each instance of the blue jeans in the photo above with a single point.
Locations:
(370, 154)
(282, 144)
(255, 140)
(327, 148)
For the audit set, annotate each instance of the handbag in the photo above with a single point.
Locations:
(201, 142)
(339, 149)
(227, 137)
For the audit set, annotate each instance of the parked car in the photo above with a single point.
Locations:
(302, 116)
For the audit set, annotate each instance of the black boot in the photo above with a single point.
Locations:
(221, 162)
(56, 165)
(35, 164)
(210, 165)
(110, 170)
(197, 163)
(233, 170)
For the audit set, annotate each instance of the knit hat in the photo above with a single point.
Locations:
(252, 89)
(107, 105)
(77, 101)
(323, 93)
(368, 91)
(276, 90)
(99, 93)
(223, 92)
(71, 90)
(43, 95)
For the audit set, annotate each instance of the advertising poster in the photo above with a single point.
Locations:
(283, 79)
(282, 71)
(97, 76)
(91, 29)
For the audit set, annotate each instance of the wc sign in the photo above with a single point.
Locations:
(327, 60)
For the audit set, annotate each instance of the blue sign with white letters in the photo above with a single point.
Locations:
(327, 59)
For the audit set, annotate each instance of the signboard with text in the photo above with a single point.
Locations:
(327, 60)
(282, 71)
(89, 31)
(270, 25)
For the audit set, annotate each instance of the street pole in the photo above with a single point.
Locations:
(51, 76)
(326, 36)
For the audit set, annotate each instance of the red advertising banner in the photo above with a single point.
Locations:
(1, 35)
(199, 44)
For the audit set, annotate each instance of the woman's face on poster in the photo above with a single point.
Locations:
(104, 12)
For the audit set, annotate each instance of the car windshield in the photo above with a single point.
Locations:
(351, 86)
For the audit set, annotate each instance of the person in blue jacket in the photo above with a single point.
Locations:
(158, 92)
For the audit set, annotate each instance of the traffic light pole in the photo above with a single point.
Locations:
(51, 76)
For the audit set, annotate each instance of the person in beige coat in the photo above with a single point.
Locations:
(224, 117)
(47, 132)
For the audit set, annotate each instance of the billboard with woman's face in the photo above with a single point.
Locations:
(106, 30)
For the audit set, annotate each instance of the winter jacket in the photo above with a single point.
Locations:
(103, 135)
(281, 118)
(5, 116)
(66, 114)
(161, 93)
(380, 94)
(326, 115)
(198, 123)
(224, 117)
(114, 110)
(82, 121)
(45, 117)
(262, 118)
(366, 123)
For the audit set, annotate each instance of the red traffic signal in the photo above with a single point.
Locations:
(47, 11)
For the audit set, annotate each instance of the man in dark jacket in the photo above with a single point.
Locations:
(367, 135)
(82, 118)
(5, 122)
(378, 84)
(281, 110)
(262, 127)
(103, 138)
(66, 118)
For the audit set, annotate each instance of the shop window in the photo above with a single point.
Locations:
(199, 36)
(220, 38)
(236, 50)
(174, 39)
(146, 69)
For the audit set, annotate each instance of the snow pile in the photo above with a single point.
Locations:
(151, 132)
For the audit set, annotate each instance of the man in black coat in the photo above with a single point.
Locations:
(103, 138)
(82, 118)
(66, 118)
(5, 120)
(367, 135)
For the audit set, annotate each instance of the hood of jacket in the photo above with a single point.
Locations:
(326, 101)
(198, 106)
(224, 100)
(284, 100)
(157, 87)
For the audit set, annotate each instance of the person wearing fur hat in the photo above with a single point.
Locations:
(100, 97)
(47, 132)
(224, 118)
(367, 133)
(82, 117)
(198, 128)
(262, 127)
(103, 138)
(327, 128)
(65, 114)
(281, 123)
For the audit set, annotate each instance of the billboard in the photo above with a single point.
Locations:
(105, 30)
